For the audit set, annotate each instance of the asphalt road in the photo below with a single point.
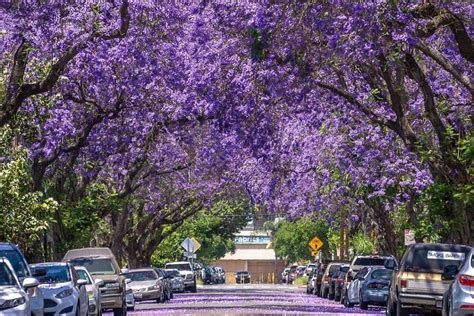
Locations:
(249, 300)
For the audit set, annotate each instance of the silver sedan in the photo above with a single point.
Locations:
(459, 299)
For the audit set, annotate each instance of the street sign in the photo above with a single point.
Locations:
(409, 237)
(197, 244)
(316, 243)
(191, 245)
(188, 245)
(314, 253)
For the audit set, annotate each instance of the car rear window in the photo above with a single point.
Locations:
(426, 260)
(369, 262)
(384, 274)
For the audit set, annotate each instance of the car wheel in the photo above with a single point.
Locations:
(347, 302)
(171, 295)
(120, 311)
(362, 304)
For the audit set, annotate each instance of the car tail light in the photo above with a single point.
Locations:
(466, 280)
(467, 306)
(326, 278)
(376, 285)
(404, 283)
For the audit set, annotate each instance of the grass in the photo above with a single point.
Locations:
(301, 280)
(199, 282)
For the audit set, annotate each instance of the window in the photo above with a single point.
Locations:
(6, 276)
(52, 274)
(173, 273)
(142, 276)
(369, 262)
(179, 266)
(17, 262)
(99, 266)
(427, 260)
(83, 275)
(382, 274)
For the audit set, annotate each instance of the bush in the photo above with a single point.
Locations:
(301, 280)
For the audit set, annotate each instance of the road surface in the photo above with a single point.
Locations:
(249, 300)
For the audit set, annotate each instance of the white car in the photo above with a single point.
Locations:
(22, 271)
(93, 292)
(63, 291)
(187, 272)
(129, 297)
(13, 297)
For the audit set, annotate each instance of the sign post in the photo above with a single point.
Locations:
(409, 237)
(190, 245)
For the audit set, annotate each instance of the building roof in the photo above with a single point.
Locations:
(250, 254)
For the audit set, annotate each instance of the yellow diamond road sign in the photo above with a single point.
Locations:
(314, 252)
(197, 244)
(316, 243)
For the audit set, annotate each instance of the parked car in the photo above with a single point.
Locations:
(333, 281)
(13, 294)
(318, 279)
(292, 274)
(374, 288)
(417, 285)
(459, 299)
(242, 277)
(146, 284)
(353, 290)
(186, 270)
(63, 291)
(93, 291)
(369, 287)
(177, 280)
(207, 275)
(332, 268)
(359, 262)
(309, 269)
(22, 271)
(167, 283)
(129, 298)
(339, 285)
(309, 285)
(101, 264)
(284, 275)
(300, 270)
(221, 275)
(214, 275)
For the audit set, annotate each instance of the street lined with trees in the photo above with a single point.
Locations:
(128, 125)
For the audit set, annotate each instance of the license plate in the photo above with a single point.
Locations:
(439, 304)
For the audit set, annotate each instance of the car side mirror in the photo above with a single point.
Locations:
(99, 282)
(81, 282)
(124, 271)
(29, 283)
(390, 264)
(449, 272)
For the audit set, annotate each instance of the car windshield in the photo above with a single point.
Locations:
(83, 275)
(384, 274)
(369, 262)
(52, 274)
(16, 261)
(426, 260)
(6, 276)
(242, 273)
(96, 266)
(173, 273)
(179, 266)
(142, 276)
